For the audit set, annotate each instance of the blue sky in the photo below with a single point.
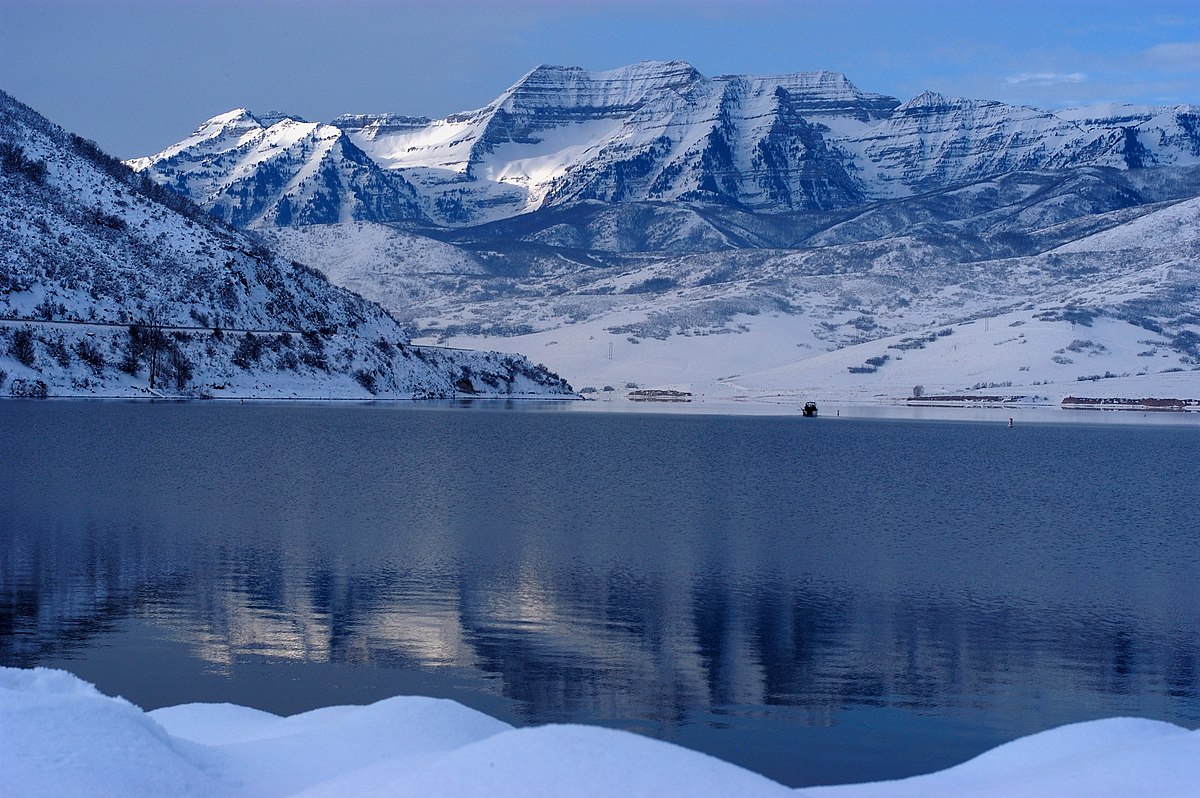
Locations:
(137, 75)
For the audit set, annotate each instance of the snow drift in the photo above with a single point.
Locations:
(60, 736)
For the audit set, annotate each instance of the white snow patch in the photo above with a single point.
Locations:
(60, 736)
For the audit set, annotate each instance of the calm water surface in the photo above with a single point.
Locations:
(821, 600)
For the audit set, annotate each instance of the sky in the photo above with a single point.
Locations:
(138, 75)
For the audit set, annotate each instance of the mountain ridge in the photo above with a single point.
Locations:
(661, 131)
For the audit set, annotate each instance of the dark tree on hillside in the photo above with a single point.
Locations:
(146, 342)
(179, 365)
(90, 354)
(249, 351)
(157, 341)
(135, 350)
(14, 161)
(22, 346)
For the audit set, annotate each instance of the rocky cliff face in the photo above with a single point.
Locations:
(933, 141)
(732, 141)
(650, 132)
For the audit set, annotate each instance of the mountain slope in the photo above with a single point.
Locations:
(110, 285)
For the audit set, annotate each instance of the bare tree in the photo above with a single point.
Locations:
(155, 341)
(146, 340)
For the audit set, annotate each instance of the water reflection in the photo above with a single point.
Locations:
(657, 573)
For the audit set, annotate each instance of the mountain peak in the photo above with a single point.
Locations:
(274, 117)
(627, 83)
(244, 120)
(231, 117)
(239, 120)
(278, 169)
(823, 93)
(380, 123)
(677, 69)
(803, 81)
(927, 100)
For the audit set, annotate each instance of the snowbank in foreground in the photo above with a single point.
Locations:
(60, 737)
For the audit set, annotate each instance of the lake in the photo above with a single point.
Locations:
(820, 600)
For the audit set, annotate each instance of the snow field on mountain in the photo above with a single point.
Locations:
(61, 736)
(442, 144)
(705, 365)
(534, 167)
(1176, 225)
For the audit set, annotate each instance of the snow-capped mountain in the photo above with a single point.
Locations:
(112, 285)
(650, 132)
(280, 170)
(778, 234)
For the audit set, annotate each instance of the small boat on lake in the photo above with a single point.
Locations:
(810, 409)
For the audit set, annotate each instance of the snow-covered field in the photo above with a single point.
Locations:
(59, 736)
(776, 359)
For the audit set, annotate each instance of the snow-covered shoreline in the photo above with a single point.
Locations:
(894, 409)
(780, 406)
(60, 736)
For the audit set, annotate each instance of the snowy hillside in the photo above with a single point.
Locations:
(649, 132)
(113, 286)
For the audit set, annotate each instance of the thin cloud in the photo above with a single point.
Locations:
(1045, 78)
(1176, 56)
(1170, 21)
